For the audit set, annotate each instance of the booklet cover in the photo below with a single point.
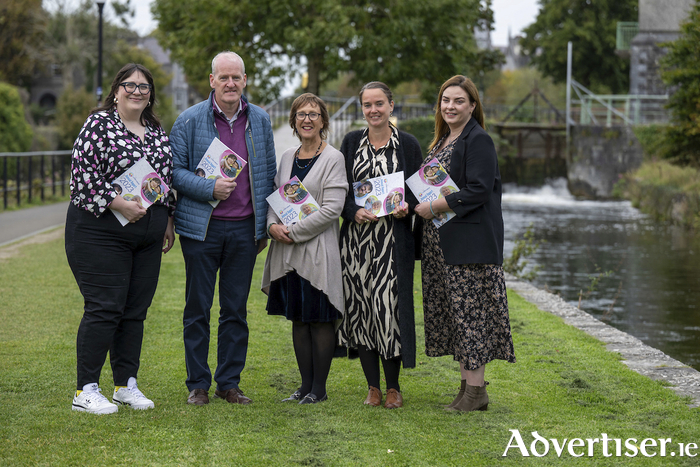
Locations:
(380, 195)
(140, 183)
(292, 202)
(219, 161)
(430, 183)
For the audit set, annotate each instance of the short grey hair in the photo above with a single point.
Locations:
(232, 55)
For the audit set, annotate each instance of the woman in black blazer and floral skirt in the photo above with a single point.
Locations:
(464, 291)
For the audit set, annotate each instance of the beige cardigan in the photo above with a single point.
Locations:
(315, 253)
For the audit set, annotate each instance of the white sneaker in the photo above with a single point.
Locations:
(91, 400)
(132, 397)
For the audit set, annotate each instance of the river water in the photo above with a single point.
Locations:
(617, 264)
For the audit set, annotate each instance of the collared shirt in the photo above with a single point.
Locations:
(221, 113)
(104, 150)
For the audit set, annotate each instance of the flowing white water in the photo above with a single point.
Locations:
(638, 275)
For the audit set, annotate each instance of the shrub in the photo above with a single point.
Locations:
(15, 132)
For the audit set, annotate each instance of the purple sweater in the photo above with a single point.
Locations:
(239, 205)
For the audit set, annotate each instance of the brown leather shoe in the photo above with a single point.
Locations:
(394, 399)
(374, 397)
(234, 396)
(198, 397)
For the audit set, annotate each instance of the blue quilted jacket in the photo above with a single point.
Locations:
(190, 137)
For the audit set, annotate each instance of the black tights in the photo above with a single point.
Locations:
(370, 365)
(314, 345)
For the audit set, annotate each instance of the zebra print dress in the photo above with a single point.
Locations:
(369, 270)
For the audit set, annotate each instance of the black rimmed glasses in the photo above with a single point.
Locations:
(313, 116)
(130, 88)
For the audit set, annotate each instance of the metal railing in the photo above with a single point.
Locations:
(33, 173)
(344, 112)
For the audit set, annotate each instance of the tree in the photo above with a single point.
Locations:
(681, 70)
(591, 26)
(15, 132)
(21, 32)
(389, 40)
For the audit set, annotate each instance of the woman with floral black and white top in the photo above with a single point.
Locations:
(115, 266)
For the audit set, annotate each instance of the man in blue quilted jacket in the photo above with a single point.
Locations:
(226, 238)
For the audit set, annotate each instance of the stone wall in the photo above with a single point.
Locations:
(598, 158)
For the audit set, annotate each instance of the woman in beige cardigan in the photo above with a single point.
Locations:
(302, 274)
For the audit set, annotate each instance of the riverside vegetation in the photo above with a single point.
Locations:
(565, 385)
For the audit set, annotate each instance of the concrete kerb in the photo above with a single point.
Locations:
(638, 356)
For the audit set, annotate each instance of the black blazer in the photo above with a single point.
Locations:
(475, 235)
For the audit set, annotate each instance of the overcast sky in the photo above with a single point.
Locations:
(513, 14)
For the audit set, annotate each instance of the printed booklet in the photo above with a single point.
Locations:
(380, 195)
(219, 161)
(430, 183)
(139, 183)
(292, 202)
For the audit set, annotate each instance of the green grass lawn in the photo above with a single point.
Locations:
(565, 385)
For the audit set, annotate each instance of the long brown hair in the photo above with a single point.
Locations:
(148, 116)
(441, 127)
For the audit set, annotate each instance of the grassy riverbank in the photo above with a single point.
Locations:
(565, 385)
(666, 192)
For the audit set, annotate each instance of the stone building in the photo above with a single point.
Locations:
(659, 22)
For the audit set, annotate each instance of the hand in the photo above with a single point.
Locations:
(400, 212)
(169, 239)
(423, 210)
(224, 187)
(363, 216)
(262, 244)
(131, 210)
(280, 233)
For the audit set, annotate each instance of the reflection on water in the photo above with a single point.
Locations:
(653, 288)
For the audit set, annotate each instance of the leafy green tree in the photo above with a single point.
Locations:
(682, 71)
(72, 109)
(15, 132)
(389, 40)
(22, 23)
(591, 25)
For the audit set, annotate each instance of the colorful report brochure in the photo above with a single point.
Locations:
(430, 183)
(292, 202)
(140, 183)
(380, 195)
(219, 161)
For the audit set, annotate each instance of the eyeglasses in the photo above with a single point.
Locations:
(130, 88)
(313, 116)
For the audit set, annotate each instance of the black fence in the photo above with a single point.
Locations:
(26, 175)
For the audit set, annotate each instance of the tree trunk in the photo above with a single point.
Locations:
(315, 61)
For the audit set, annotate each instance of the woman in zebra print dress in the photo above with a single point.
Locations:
(377, 254)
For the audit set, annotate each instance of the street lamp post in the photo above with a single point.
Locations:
(100, 7)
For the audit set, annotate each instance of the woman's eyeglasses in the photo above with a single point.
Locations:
(130, 88)
(313, 116)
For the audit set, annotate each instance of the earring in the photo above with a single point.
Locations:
(116, 101)
(149, 104)
(391, 114)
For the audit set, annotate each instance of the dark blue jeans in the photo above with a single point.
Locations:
(117, 271)
(230, 249)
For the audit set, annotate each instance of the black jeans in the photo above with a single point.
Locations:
(117, 271)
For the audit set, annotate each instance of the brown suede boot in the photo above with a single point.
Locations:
(474, 398)
(374, 397)
(459, 395)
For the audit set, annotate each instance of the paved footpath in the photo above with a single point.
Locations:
(24, 223)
